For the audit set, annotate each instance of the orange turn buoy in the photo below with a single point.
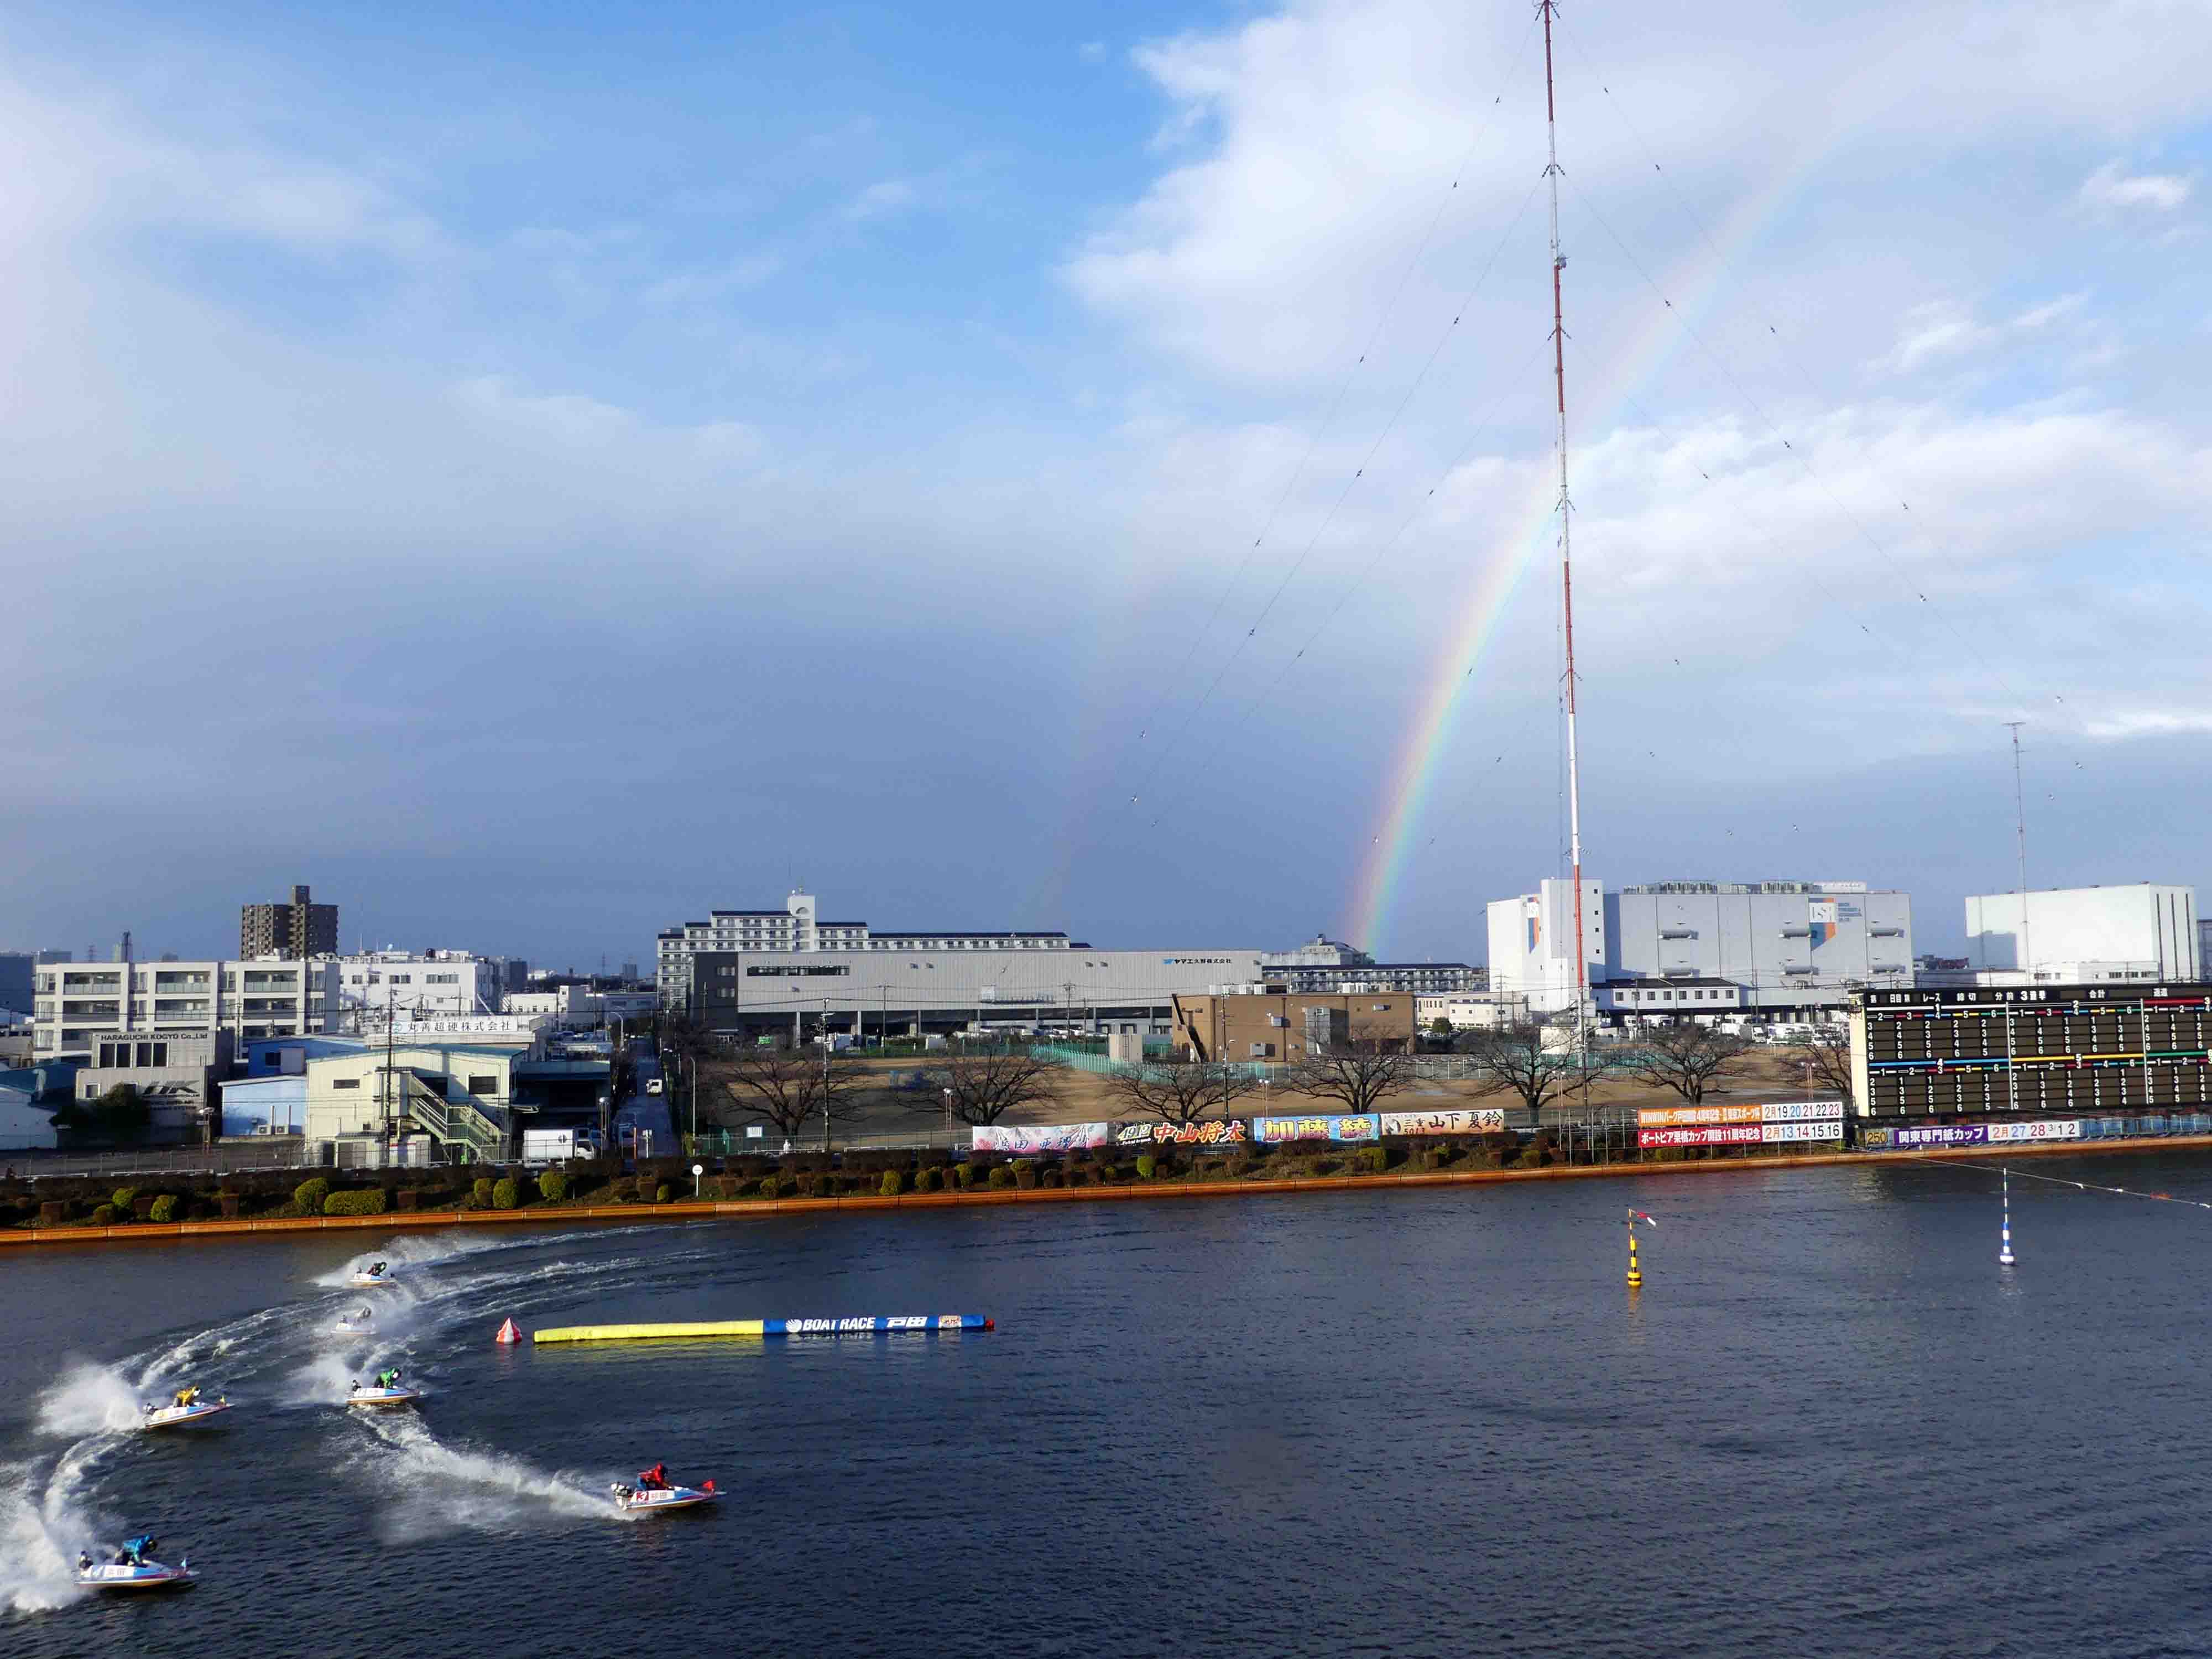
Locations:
(508, 1333)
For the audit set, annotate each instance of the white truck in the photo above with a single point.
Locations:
(558, 1146)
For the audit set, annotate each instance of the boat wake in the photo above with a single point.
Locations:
(410, 1251)
(439, 1488)
(88, 1399)
(40, 1534)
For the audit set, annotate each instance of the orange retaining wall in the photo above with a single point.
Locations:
(696, 1210)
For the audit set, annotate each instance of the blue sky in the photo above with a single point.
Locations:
(538, 473)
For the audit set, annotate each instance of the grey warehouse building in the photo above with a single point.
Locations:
(872, 993)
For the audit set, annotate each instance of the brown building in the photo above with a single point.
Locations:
(294, 931)
(1289, 1025)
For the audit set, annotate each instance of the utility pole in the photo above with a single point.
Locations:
(1566, 560)
(2020, 824)
(825, 1077)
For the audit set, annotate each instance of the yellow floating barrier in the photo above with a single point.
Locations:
(640, 1332)
(875, 1325)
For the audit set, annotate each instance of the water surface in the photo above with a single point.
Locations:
(1416, 1423)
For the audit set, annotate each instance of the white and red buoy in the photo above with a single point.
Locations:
(508, 1332)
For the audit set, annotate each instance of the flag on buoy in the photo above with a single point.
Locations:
(508, 1333)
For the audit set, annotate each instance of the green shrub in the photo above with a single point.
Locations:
(925, 1180)
(1374, 1159)
(1147, 1166)
(122, 1200)
(505, 1195)
(893, 1183)
(552, 1186)
(1002, 1177)
(663, 1193)
(771, 1186)
(369, 1201)
(480, 1194)
(310, 1194)
(103, 1216)
(165, 1209)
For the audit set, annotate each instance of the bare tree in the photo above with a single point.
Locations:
(790, 1089)
(1181, 1091)
(982, 1086)
(1829, 1061)
(1515, 1060)
(1685, 1056)
(1355, 1074)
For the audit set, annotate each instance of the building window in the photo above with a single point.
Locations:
(484, 1085)
(345, 1083)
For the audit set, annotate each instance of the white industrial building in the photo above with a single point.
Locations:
(873, 993)
(795, 930)
(1738, 947)
(425, 982)
(2082, 935)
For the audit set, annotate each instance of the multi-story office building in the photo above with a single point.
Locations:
(1786, 946)
(1420, 978)
(177, 1074)
(76, 1005)
(408, 982)
(294, 929)
(794, 930)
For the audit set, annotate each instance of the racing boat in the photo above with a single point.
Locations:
(358, 1323)
(151, 1416)
(653, 1500)
(373, 1396)
(375, 1274)
(135, 1570)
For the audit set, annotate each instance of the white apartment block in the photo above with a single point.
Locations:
(409, 983)
(795, 930)
(76, 1004)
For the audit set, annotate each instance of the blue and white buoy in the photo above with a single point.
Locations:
(2005, 1257)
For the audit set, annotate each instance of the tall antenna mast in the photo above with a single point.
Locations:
(2020, 824)
(1566, 509)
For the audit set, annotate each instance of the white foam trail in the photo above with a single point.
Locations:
(39, 1542)
(412, 1251)
(88, 1399)
(324, 1380)
(442, 1488)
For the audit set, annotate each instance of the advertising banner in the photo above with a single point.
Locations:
(1355, 1126)
(1944, 1135)
(1482, 1120)
(1799, 1111)
(1819, 1129)
(1037, 1137)
(1214, 1132)
(1716, 1135)
(2067, 1129)
(1667, 1117)
(1777, 1111)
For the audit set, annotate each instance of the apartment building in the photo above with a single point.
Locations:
(294, 928)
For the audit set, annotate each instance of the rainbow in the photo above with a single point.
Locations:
(1410, 778)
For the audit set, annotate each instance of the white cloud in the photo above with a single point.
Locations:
(885, 196)
(2109, 187)
(1935, 332)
